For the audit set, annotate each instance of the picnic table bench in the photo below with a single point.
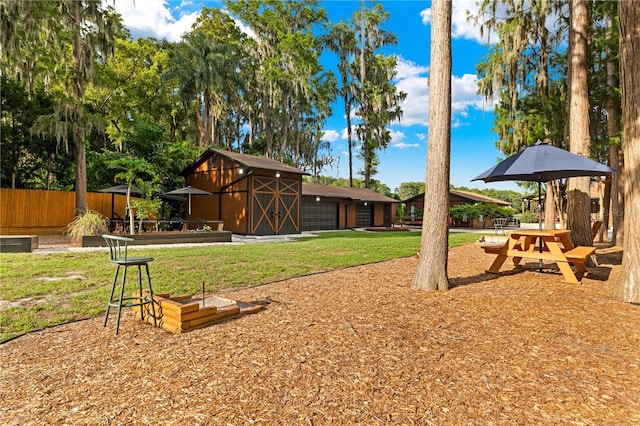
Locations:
(556, 246)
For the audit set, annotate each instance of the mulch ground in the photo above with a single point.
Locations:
(353, 346)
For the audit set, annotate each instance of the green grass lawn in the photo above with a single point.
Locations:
(41, 290)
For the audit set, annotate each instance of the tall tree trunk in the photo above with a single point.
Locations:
(628, 288)
(268, 129)
(578, 197)
(617, 195)
(200, 123)
(613, 132)
(431, 273)
(549, 206)
(347, 108)
(606, 211)
(367, 163)
(79, 149)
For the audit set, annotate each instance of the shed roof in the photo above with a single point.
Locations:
(479, 198)
(471, 196)
(245, 160)
(356, 194)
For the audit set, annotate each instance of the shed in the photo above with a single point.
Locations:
(456, 197)
(415, 205)
(326, 207)
(251, 195)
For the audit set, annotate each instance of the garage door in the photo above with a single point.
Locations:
(319, 216)
(364, 215)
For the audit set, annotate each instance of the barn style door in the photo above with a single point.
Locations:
(276, 206)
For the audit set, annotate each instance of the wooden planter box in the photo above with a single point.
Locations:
(168, 237)
(181, 314)
(18, 243)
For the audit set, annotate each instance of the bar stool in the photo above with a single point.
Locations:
(118, 255)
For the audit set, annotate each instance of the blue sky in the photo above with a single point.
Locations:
(404, 160)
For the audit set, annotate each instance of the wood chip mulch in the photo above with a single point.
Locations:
(353, 346)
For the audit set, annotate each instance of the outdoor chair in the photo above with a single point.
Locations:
(118, 255)
(499, 224)
(175, 224)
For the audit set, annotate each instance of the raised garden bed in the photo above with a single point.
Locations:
(18, 243)
(169, 237)
(180, 314)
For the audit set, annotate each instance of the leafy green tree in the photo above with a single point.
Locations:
(29, 160)
(311, 152)
(88, 29)
(377, 97)
(410, 189)
(206, 64)
(134, 80)
(133, 172)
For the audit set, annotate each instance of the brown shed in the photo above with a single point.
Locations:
(327, 207)
(415, 205)
(252, 195)
(456, 197)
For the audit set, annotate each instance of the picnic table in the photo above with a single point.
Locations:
(556, 246)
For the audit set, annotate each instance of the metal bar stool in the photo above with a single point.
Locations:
(118, 255)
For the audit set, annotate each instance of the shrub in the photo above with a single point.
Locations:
(146, 209)
(88, 224)
(528, 217)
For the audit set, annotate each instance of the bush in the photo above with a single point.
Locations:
(88, 224)
(528, 217)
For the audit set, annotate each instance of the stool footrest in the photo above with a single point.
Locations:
(141, 301)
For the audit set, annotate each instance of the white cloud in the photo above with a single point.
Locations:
(460, 26)
(330, 135)
(426, 16)
(396, 136)
(464, 94)
(163, 18)
(402, 145)
(153, 18)
(397, 140)
(412, 79)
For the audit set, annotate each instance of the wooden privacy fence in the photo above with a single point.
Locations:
(34, 211)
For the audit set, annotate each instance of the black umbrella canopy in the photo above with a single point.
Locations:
(543, 162)
(121, 189)
(188, 190)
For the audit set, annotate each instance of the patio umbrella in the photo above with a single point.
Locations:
(543, 162)
(119, 189)
(189, 191)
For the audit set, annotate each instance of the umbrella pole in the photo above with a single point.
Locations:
(540, 221)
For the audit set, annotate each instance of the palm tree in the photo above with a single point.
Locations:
(376, 95)
(341, 40)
